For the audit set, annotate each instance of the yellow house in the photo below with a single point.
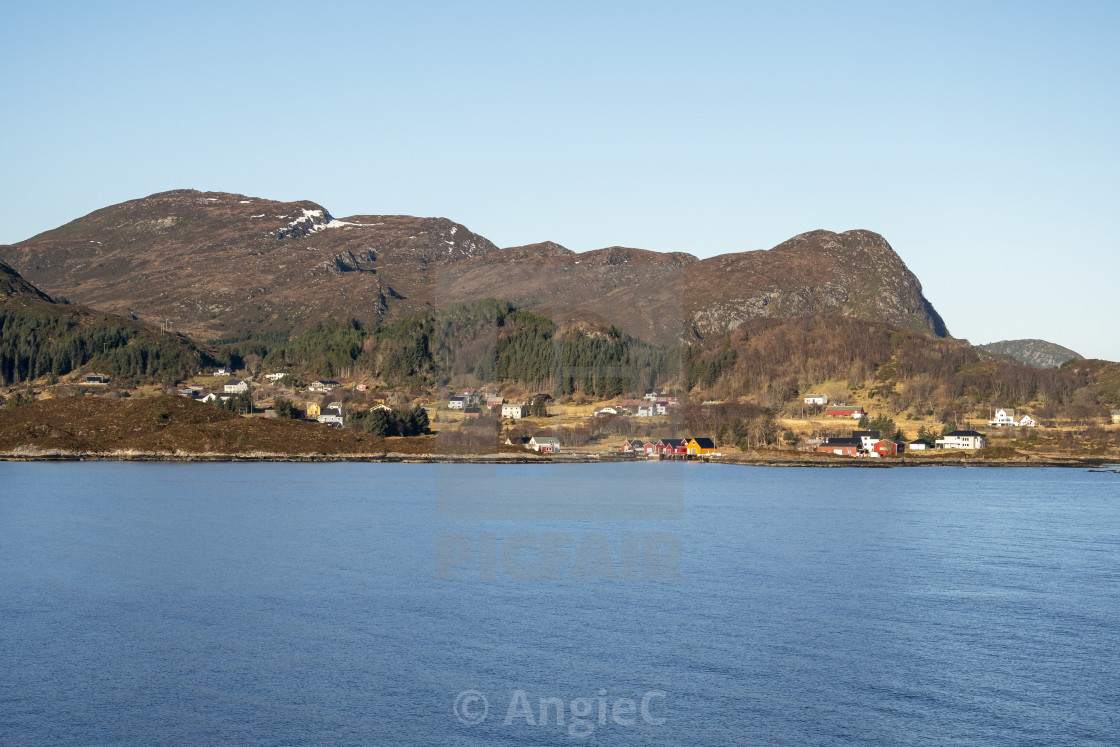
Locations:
(698, 446)
(313, 410)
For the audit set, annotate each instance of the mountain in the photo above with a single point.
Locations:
(219, 265)
(39, 336)
(1037, 353)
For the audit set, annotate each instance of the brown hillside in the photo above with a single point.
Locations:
(216, 264)
(95, 425)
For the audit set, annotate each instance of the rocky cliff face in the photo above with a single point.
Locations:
(1037, 353)
(855, 273)
(217, 264)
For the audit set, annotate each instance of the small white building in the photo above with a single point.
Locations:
(457, 403)
(917, 446)
(516, 412)
(1115, 417)
(962, 440)
(323, 385)
(276, 375)
(816, 399)
(223, 371)
(608, 410)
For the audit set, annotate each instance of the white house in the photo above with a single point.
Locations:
(867, 439)
(223, 371)
(917, 446)
(1115, 416)
(645, 411)
(962, 440)
(545, 444)
(516, 412)
(662, 408)
(322, 385)
(1004, 418)
(236, 386)
(816, 399)
(276, 375)
(332, 416)
(608, 410)
(457, 403)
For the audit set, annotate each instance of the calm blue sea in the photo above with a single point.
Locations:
(276, 604)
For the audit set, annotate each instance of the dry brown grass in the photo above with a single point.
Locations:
(176, 425)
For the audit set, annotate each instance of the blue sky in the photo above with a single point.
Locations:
(982, 139)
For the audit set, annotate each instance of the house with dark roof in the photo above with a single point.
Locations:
(332, 416)
(632, 446)
(672, 446)
(841, 446)
(700, 446)
(236, 386)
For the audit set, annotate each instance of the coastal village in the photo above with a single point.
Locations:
(537, 423)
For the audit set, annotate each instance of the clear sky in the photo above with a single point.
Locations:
(981, 138)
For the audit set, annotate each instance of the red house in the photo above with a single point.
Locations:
(650, 448)
(855, 413)
(889, 447)
(672, 446)
(841, 446)
(629, 447)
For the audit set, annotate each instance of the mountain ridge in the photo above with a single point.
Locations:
(215, 264)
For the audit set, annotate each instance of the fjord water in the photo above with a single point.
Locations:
(313, 604)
